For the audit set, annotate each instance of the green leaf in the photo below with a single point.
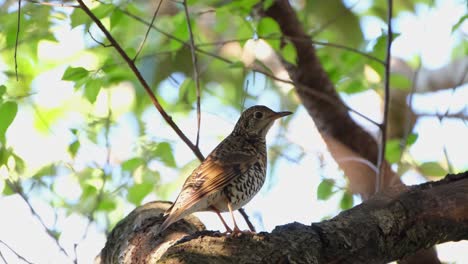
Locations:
(78, 17)
(393, 151)
(107, 204)
(164, 152)
(267, 4)
(116, 17)
(353, 86)
(103, 10)
(289, 53)
(48, 170)
(267, 28)
(432, 168)
(8, 112)
(138, 192)
(7, 190)
(75, 74)
(73, 148)
(346, 201)
(92, 88)
(411, 139)
(399, 81)
(2, 91)
(132, 164)
(324, 190)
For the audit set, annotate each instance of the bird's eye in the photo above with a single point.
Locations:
(258, 115)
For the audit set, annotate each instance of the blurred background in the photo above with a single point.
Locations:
(81, 145)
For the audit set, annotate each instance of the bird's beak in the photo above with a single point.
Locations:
(281, 114)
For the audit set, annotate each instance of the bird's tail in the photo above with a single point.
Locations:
(172, 217)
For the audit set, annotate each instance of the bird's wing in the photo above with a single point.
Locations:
(212, 175)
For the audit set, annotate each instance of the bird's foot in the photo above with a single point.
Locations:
(237, 232)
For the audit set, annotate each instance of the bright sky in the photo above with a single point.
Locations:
(293, 194)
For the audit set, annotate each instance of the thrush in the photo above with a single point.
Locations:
(233, 172)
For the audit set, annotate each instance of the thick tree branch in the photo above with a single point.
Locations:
(389, 226)
(343, 136)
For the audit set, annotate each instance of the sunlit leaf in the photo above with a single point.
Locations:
(164, 152)
(79, 17)
(132, 164)
(7, 190)
(8, 112)
(116, 18)
(432, 169)
(47, 170)
(75, 74)
(268, 29)
(107, 204)
(411, 139)
(289, 53)
(73, 148)
(138, 192)
(325, 189)
(346, 201)
(103, 10)
(92, 88)
(393, 151)
(2, 91)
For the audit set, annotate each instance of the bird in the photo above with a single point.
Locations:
(232, 174)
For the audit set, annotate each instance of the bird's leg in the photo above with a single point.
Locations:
(236, 228)
(228, 229)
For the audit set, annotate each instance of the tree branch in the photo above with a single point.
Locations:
(142, 81)
(383, 126)
(386, 227)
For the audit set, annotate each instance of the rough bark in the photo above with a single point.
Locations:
(386, 227)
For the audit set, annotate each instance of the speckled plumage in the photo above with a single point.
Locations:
(232, 173)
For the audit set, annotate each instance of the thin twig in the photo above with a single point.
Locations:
(196, 74)
(383, 127)
(17, 38)
(49, 232)
(97, 41)
(320, 43)
(142, 81)
(148, 30)
(14, 252)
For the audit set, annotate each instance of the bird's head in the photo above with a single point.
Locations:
(257, 120)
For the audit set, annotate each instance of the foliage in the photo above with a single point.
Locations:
(97, 93)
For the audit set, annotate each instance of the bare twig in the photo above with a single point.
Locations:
(14, 252)
(383, 127)
(143, 82)
(320, 43)
(97, 41)
(105, 173)
(148, 30)
(17, 189)
(195, 69)
(17, 38)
